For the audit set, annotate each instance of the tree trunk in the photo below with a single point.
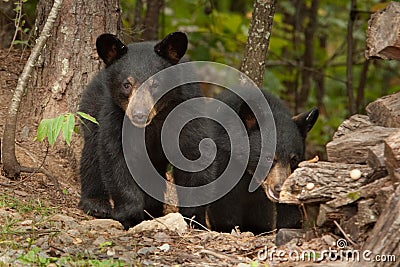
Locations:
(7, 27)
(238, 6)
(138, 20)
(151, 20)
(308, 57)
(69, 60)
(350, 51)
(319, 80)
(319, 77)
(361, 86)
(298, 28)
(253, 63)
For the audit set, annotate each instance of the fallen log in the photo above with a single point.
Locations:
(385, 238)
(383, 33)
(324, 181)
(356, 121)
(385, 111)
(375, 157)
(358, 210)
(392, 156)
(353, 146)
(370, 190)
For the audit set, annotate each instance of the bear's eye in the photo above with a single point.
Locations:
(127, 88)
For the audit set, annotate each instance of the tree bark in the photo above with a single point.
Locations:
(69, 60)
(253, 63)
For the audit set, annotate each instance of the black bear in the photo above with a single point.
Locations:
(255, 211)
(107, 187)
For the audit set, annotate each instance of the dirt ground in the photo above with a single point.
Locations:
(41, 225)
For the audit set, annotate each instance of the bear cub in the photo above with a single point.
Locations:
(256, 211)
(107, 187)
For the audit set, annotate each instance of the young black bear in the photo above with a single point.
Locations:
(254, 211)
(104, 172)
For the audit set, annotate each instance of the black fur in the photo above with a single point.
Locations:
(254, 211)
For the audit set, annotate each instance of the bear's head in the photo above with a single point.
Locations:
(291, 133)
(129, 66)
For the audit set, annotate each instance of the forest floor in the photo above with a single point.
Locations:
(40, 225)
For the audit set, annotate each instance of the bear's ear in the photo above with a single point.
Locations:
(110, 48)
(305, 121)
(247, 116)
(172, 47)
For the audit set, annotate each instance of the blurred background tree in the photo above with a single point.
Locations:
(315, 56)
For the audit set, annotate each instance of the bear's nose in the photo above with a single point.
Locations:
(140, 117)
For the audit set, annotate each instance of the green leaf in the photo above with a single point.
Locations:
(87, 117)
(68, 127)
(42, 130)
(54, 129)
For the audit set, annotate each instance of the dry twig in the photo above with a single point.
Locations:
(345, 235)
